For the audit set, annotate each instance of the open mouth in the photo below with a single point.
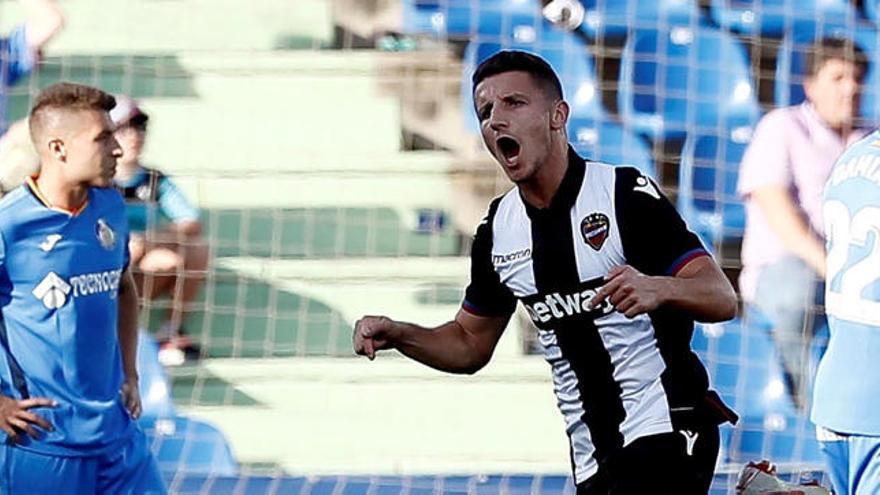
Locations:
(508, 147)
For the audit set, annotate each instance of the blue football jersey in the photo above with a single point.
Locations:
(847, 390)
(59, 285)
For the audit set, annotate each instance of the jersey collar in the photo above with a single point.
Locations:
(569, 188)
(35, 190)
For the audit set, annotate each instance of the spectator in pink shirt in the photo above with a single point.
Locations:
(781, 179)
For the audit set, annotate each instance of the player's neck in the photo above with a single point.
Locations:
(59, 194)
(541, 188)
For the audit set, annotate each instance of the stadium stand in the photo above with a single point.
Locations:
(610, 20)
(707, 196)
(680, 79)
(778, 17)
(463, 19)
(337, 179)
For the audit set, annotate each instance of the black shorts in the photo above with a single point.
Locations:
(659, 464)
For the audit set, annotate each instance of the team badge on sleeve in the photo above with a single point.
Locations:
(594, 229)
(105, 234)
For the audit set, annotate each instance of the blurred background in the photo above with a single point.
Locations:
(331, 149)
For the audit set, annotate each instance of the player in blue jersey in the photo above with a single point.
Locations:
(846, 399)
(68, 338)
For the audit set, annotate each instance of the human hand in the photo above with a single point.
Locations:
(373, 333)
(631, 292)
(16, 417)
(131, 397)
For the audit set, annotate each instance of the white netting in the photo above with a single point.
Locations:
(330, 148)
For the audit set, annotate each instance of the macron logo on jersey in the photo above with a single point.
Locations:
(505, 259)
(54, 290)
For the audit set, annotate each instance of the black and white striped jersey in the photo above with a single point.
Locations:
(616, 379)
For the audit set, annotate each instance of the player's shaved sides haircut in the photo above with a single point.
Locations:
(520, 61)
(67, 96)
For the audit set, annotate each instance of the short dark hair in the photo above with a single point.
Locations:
(69, 96)
(835, 48)
(519, 61)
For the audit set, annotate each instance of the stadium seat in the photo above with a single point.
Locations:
(187, 445)
(777, 17)
(791, 64)
(607, 141)
(743, 367)
(567, 55)
(422, 17)
(784, 438)
(605, 19)
(155, 388)
(871, 9)
(466, 19)
(680, 80)
(707, 197)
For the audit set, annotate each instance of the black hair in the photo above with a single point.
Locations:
(517, 60)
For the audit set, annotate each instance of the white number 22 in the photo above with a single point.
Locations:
(844, 231)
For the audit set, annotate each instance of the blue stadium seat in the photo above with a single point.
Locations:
(422, 17)
(155, 388)
(777, 17)
(567, 55)
(784, 438)
(607, 141)
(188, 445)
(615, 18)
(682, 79)
(464, 19)
(743, 367)
(791, 64)
(872, 10)
(707, 197)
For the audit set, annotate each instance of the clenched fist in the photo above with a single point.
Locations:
(374, 333)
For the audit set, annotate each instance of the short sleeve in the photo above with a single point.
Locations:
(17, 55)
(173, 204)
(766, 159)
(486, 295)
(656, 240)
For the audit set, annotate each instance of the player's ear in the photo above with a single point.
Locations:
(57, 149)
(559, 115)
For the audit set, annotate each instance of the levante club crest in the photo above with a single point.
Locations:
(594, 229)
(105, 234)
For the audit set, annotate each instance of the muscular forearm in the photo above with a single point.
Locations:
(448, 348)
(701, 289)
(706, 302)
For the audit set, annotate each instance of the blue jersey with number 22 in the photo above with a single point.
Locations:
(847, 390)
